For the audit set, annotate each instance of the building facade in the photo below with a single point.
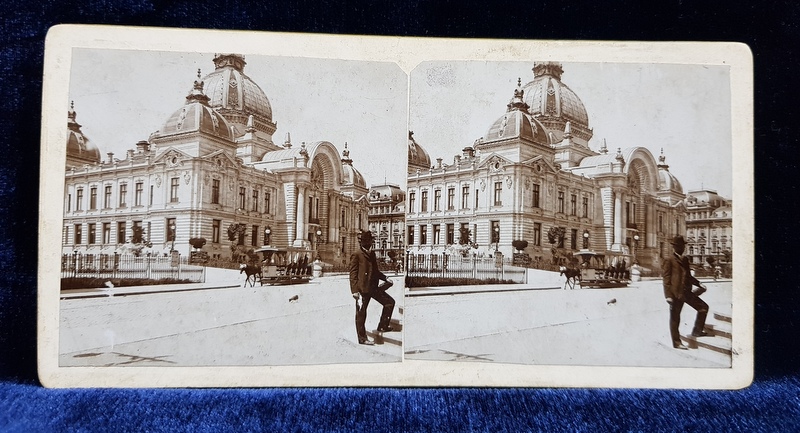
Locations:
(534, 177)
(387, 221)
(213, 171)
(709, 227)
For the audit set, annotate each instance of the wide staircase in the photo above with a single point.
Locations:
(717, 346)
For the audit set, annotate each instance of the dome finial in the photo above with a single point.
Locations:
(662, 160)
(604, 148)
(196, 94)
(287, 143)
(71, 113)
(346, 155)
(517, 101)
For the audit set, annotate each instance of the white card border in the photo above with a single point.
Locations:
(407, 53)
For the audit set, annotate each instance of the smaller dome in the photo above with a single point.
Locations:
(517, 122)
(350, 175)
(196, 116)
(418, 158)
(666, 180)
(79, 149)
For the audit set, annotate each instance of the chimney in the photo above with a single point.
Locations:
(468, 152)
(110, 157)
(438, 162)
(142, 146)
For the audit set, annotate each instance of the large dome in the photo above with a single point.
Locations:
(555, 104)
(418, 158)
(236, 96)
(79, 149)
(196, 116)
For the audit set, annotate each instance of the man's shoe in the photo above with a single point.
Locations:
(366, 343)
(680, 346)
(700, 334)
(386, 329)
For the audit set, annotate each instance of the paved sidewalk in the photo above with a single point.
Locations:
(215, 323)
(541, 325)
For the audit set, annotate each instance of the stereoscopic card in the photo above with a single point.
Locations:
(242, 209)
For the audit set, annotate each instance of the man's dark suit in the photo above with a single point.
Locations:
(364, 278)
(678, 282)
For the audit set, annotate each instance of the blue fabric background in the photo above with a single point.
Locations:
(772, 403)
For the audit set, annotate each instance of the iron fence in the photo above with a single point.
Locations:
(458, 267)
(130, 266)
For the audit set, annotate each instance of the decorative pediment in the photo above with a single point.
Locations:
(172, 157)
(540, 165)
(495, 163)
(220, 159)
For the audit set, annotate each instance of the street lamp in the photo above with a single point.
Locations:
(496, 238)
(172, 235)
(586, 239)
(267, 232)
(635, 246)
(317, 239)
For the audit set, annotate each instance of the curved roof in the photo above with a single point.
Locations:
(196, 116)
(417, 156)
(548, 96)
(229, 89)
(668, 182)
(79, 148)
(517, 123)
(351, 176)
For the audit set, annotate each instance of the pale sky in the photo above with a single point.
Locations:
(122, 96)
(684, 109)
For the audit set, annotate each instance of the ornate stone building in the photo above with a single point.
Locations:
(533, 171)
(387, 218)
(213, 171)
(709, 227)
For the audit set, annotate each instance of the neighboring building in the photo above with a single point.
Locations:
(709, 227)
(387, 218)
(213, 171)
(534, 170)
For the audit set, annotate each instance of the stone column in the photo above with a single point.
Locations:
(300, 229)
(618, 229)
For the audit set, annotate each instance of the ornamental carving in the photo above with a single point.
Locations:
(508, 182)
(483, 184)
(158, 181)
(186, 177)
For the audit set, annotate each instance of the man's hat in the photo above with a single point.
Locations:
(365, 235)
(678, 240)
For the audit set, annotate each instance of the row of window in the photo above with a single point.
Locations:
(464, 236)
(100, 234)
(535, 198)
(173, 196)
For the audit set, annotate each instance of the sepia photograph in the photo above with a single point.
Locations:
(570, 214)
(236, 209)
(230, 209)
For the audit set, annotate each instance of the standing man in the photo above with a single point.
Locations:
(364, 278)
(678, 282)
